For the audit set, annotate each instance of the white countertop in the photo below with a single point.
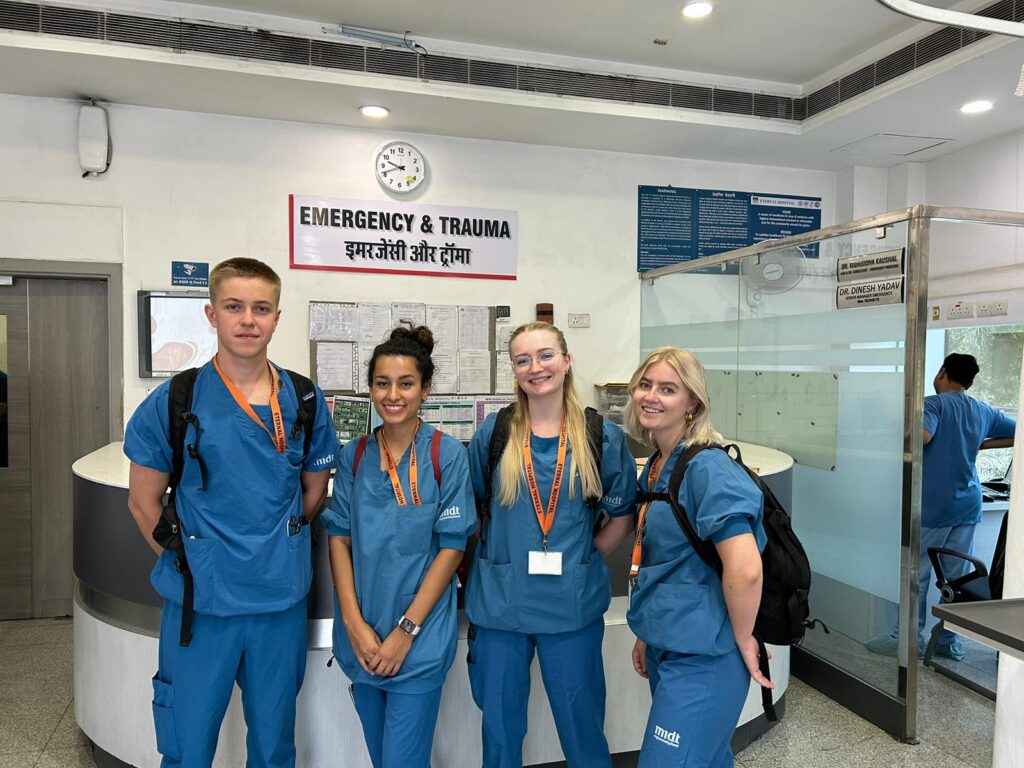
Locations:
(109, 466)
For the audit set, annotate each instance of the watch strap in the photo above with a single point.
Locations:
(409, 626)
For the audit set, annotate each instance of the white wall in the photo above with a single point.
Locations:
(204, 187)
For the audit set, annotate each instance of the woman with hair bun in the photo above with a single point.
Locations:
(401, 513)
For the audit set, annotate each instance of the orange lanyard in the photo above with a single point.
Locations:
(545, 519)
(638, 543)
(396, 483)
(280, 441)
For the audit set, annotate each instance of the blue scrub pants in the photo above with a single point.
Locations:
(264, 653)
(957, 537)
(697, 703)
(398, 727)
(573, 673)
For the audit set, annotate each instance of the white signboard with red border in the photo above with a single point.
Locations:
(401, 238)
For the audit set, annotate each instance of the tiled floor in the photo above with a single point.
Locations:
(38, 730)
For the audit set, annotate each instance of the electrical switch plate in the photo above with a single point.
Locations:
(962, 310)
(579, 321)
(992, 308)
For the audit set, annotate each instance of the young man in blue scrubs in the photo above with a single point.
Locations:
(245, 532)
(956, 427)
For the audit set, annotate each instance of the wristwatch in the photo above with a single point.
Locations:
(409, 626)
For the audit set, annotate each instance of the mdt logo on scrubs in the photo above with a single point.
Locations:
(326, 461)
(666, 737)
(450, 513)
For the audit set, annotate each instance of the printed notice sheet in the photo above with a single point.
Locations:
(333, 322)
(334, 363)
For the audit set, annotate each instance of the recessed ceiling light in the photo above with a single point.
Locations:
(697, 9)
(374, 111)
(974, 107)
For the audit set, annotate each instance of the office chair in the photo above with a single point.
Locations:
(976, 585)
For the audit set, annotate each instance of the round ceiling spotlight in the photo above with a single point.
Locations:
(697, 9)
(374, 111)
(975, 107)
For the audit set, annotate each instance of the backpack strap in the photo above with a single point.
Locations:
(435, 454)
(168, 530)
(360, 450)
(704, 548)
(305, 393)
(435, 457)
(595, 439)
(499, 439)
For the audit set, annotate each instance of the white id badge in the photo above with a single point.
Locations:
(545, 563)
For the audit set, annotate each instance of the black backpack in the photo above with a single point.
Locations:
(783, 614)
(499, 439)
(179, 409)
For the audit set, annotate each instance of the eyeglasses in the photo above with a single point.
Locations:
(544, 357)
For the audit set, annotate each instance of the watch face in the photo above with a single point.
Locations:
(400, 167)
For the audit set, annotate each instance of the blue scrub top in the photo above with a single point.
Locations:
(959, 424)
(393, 547)
(501, 593)
(677, 604)
(243, 557)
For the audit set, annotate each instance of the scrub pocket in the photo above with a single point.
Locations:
(593, 591)
(674, 617)
(415, 528)
(202, 561)
(163, 719)
(300, 553)
(490, 596)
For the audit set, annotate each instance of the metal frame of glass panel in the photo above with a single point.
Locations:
(897, 715)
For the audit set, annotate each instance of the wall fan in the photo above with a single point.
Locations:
(776, 272)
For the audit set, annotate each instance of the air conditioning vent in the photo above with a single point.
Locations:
(895, 64)
(243, 43)
(445, 69)
(72, 22)
(493, 74)
(937, 45)
(338, 56)
(20, 16)
(136, 30)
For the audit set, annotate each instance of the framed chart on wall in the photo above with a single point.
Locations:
(174, 334)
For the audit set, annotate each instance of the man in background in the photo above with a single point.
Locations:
(956, 427)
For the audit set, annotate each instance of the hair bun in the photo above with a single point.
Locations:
(420, 334)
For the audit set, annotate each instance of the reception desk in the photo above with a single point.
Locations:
(117, 618)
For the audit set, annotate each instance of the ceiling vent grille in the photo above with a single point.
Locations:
(266, 46)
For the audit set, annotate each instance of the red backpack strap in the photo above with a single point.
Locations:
(435, 455)
(360, 450)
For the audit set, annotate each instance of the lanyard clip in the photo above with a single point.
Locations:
(545, 543)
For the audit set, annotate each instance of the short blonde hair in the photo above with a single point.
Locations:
(690, 371)
(243, 267)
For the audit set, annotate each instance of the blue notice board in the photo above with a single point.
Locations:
(676, 224)
(195, 274)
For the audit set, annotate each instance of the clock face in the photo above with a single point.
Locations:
(400, 167)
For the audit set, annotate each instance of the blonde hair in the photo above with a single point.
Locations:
(691, 373)
(510, 467)
(243, 267)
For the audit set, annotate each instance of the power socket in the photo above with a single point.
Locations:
(579, 320)
(992, 308)
(962, 310)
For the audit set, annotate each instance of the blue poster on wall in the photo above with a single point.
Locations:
(194, 274)
(676, 224)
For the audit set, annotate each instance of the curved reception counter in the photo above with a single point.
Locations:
(117, 619)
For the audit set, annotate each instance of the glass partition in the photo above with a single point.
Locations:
(838, 384)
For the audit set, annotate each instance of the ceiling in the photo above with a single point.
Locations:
(785, 41)
(778, 46)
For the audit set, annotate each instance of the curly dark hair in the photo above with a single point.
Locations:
(407, 341)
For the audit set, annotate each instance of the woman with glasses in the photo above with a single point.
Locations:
(539, 583)
(695, 640)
